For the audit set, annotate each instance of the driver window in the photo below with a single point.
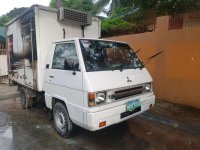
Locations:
(65, 57)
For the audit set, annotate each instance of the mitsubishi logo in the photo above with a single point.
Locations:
(128, 80)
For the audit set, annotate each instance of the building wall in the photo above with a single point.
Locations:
(176, 72)
(3, 63)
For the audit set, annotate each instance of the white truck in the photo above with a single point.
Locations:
(84, 80)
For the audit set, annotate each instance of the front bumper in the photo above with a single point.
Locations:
(113, 115)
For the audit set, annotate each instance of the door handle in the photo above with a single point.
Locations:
(51, 76)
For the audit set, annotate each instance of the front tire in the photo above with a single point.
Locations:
(62, 121)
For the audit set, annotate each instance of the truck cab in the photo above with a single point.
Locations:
(94, 83)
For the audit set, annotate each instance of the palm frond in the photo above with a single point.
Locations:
(99, 6)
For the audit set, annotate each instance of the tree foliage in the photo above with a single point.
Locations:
(94, 6)
(84, 5)
(127, 13)
(165, 7)
(100, 5)
(8, 16)
(15, 12)
(161, 7)
(115, 23)
(4, 19)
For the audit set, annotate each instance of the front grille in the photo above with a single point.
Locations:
(128, 92)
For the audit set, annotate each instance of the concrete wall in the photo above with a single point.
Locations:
(176, 72)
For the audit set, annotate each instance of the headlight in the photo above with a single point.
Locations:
(100, 97)
(96, 98)
(148, 87)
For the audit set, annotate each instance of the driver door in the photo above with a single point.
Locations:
(65, 80)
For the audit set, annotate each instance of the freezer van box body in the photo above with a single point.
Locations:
(30, 35)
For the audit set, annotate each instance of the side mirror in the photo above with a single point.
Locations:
(75, 67)
(71, 64)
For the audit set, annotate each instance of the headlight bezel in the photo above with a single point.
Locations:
(95, 98)
(148, 87)
(100, 97)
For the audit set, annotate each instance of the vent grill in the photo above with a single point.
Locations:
(82, 18)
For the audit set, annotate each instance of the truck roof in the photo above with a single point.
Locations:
(72, 39)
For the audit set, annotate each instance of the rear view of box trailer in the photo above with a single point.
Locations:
(30, 35)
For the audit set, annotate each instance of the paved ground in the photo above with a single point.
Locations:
(7, 91)
(166, 126)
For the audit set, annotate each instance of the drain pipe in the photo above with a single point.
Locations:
(83, 30)
(64, 33)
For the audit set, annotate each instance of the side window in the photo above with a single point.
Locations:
(65, 57)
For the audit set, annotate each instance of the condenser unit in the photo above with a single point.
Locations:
(67, 14)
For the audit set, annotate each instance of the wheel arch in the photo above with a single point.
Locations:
(56, 99)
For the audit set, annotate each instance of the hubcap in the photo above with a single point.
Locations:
(60, 120)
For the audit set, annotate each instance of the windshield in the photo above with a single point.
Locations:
(108, 55)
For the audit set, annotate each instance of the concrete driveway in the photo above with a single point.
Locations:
(166, 126)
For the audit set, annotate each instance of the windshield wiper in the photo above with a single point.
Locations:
(137, 51)
(150, 58)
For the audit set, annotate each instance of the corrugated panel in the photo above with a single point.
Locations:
(3, 65)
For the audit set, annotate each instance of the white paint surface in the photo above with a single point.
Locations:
(3, 65)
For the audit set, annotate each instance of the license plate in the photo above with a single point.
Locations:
(131, 105)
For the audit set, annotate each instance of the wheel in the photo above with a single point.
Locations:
(62, 121)
(23, 98)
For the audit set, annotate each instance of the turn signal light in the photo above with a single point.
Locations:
(102, 124)
(91, 99)
(91, 96)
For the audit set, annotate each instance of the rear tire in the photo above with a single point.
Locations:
(62, 121)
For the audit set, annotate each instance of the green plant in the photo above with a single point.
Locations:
(4, 19)
(115, 23)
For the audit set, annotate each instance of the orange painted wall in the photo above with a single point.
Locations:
(176, 72)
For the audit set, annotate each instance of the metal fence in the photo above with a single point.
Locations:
(186, 20)
(3, 52)
(131, 30)
(176, 21)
